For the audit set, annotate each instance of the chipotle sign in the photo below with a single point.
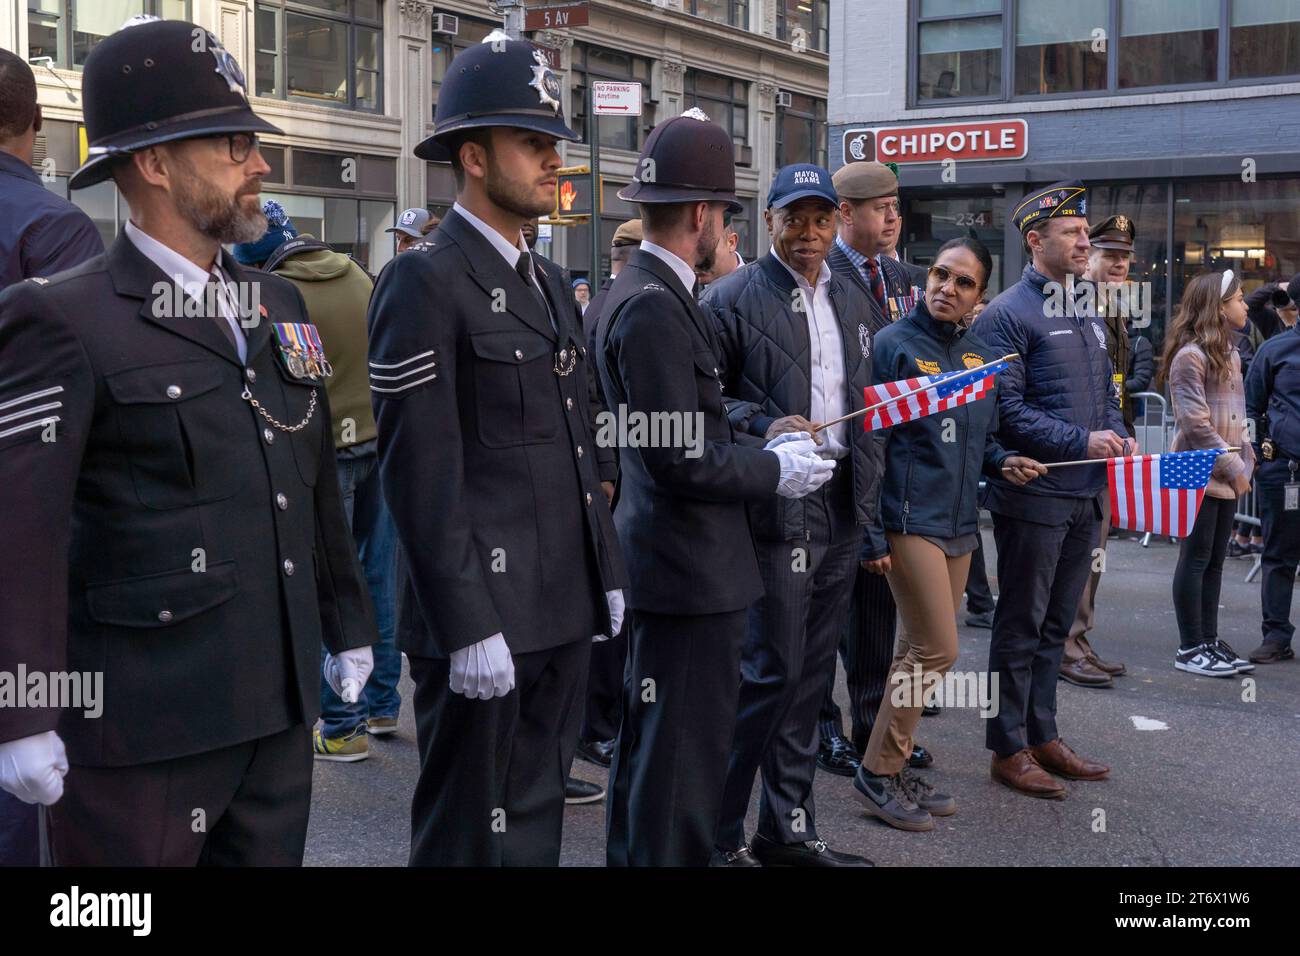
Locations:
(934, 143)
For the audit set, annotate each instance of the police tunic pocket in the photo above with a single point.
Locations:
(162, 600)
(515, 395)
(174, 427)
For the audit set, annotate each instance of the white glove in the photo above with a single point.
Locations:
(616, 608)
(802, 469)
(483, 670)
(33, 768)
(347, 674)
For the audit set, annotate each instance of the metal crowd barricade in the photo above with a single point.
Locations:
(1248, 514)
(1153, 432)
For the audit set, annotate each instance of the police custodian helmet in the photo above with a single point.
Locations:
(499, 82)
(686, 159)
(155, 81)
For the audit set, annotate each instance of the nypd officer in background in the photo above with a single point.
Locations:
(489, 469)
(681, 509)
(172, 512)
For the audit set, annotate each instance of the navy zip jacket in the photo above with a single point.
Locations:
(1050, 399)
(1273, 392)
(930, 485)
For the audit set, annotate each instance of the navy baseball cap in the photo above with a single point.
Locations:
(800, 181)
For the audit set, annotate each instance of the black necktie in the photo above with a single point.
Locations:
(524, 267)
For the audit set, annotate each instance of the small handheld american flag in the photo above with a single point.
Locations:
(911, 398)
(1159, 493)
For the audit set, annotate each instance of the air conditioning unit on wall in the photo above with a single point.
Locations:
(783, 99)
(447, 23)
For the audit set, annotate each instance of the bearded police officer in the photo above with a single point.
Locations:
(681, 507)
(172, 512)
(489, 469)
(1055, 404)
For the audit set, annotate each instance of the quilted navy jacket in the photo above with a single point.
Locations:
(765, 374)
(1057, 392)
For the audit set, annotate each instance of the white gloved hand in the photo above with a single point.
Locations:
(616, 608)
(347, 674)
(802, 469)
(32, 768)
(483, 670)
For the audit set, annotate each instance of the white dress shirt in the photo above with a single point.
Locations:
(191, 278)
(825, 359)
(675, 262)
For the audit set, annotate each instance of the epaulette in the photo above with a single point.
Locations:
(39, 280)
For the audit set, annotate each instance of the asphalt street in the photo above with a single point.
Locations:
(1204, 771)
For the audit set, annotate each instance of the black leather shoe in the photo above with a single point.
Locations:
(599, 752)
(931, 710)
(811, 853)
(580, 791)
(921, 758)
(741, 857)
(837, 756)
(983, 619)
(1271, 652)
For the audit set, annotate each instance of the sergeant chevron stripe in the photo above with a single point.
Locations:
(11, 412)
(403, 377)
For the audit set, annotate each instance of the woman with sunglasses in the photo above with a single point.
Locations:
(1203, 367)
(930, 520)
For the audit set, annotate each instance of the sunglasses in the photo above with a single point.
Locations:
(941, 275)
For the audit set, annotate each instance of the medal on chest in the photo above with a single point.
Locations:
(302, 351)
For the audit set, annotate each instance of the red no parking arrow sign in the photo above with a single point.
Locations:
(615, 98)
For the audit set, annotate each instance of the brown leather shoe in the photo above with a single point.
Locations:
(1106, 667)
(1084, 674)
(1056, 756)
(1021, 772)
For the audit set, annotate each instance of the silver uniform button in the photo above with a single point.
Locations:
(250, 375)
(579, 451)
(288, 567)
(519, 354)
(165, 616)
(589, 497)
(281, 501)
(268, 435)
(568, 403)
(173, 391)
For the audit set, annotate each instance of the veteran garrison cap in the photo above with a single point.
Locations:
(499, 82)
(1051, 202)
(1117, 232)
(155, 81)
(865, 180)
(685, 159)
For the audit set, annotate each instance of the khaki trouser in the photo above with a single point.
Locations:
(927, 638)
(1083, 617)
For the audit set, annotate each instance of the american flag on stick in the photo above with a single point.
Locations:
(1159, 493)
(895, 402)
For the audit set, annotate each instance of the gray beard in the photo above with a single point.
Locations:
(217, 216)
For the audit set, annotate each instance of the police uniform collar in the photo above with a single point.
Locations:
(510, 253)
(684, 273)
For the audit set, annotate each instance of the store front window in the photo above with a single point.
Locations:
(326, 52)
(929, 223)
(67, 30)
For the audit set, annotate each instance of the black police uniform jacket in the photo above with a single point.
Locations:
(681, 519)
(765, 371)
(486, 455)
(167, 536)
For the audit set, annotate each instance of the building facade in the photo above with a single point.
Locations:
(354, 85)
(1182, 114)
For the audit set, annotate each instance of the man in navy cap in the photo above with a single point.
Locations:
(681, 509)
(172, 511)
(1056, 403)
(489, 468)
(793, 355)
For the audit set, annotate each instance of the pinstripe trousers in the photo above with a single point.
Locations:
(867, 653)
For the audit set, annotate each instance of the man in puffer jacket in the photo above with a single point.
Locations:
(1055, 404)
(795, 349)
(337, 291)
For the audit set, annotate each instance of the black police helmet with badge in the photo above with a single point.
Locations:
(1056, 201)
(499, 82)
(156, 81)
(688, 158)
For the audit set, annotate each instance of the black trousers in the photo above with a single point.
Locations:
(680, 692)
(605, 689)
(1043, 568)
(245, 805)
(492, 772)
(867, 651)
(979, 596)
(788, 657)
(1281, 550)
(1198, 577)
(19, 833)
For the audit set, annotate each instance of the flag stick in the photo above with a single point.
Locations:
(1102, 461)
(899, 398)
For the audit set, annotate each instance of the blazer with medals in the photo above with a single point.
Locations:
(681, 515)
(157, 528)
(486, 453)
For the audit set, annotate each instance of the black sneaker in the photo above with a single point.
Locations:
(926, 797)
(1224, 650)
(920, 758)
(887, 798)
(1204, 660)
(838, 756)
(1271, 652)
(1237, 549)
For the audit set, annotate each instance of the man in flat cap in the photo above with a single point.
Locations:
(172, 510)
(1109, 257)
(1055, 403)
(870, 229)
(681, 507)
